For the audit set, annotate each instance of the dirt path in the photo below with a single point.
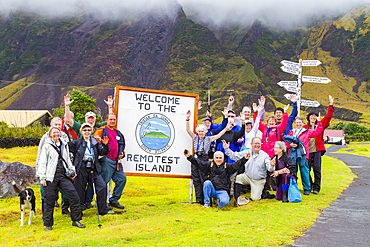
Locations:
(347, 221)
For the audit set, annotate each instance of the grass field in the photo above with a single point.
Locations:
(357, 148)
(157, 215)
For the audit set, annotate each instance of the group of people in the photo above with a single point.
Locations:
(79, 160)
(243, 153)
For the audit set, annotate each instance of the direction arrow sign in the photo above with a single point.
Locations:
(287, 83)
(293, 89)
(310, 62)
(288, 95)
(290, 64)
(291, 70)
(310, 103)
(316, 79)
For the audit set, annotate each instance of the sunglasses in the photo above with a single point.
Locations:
(230, 116)
(86, 130)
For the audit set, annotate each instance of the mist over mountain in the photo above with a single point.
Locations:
(47, 48)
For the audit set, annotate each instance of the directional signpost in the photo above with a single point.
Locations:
(295, 86)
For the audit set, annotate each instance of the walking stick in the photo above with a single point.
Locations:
(96, 197)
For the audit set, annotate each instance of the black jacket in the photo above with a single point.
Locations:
(219, 176)
(78, 148)
(288, 163)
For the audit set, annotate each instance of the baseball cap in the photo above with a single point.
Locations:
(90, 114)
(84, 125)
(206, 118)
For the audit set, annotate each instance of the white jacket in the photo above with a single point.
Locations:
(49, 160)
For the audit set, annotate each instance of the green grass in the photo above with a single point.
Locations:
(356, 149)
(25, 155)
(156, 216)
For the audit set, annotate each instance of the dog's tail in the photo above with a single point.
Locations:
(16, 188)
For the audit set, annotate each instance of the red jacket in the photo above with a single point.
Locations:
(273, 136)
(305, 136)
(325, 123)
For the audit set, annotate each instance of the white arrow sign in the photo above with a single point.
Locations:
(288, 96)
(290, 64)
(291, 70)
(293, 89)
(310, 103)
(316, 79)
(287, 83)
(310, 62)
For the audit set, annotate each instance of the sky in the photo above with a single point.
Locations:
(280, 13)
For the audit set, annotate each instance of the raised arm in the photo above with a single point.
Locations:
(227, 128)
(326, 120)
(109, 103)
(67, 112)
(190, 132)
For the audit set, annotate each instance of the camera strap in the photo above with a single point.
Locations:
(60, 152)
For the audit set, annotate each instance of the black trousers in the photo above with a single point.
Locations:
(80, 183)
(198, 180)
(51, 194)
(314, 162)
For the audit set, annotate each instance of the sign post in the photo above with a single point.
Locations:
(296, 86)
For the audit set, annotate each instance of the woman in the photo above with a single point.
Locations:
(202, 145)
(316, 145)
(55, 169)
(85, 152)
(283, 169)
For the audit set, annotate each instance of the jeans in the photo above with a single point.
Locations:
(210, 191)
(109, 171)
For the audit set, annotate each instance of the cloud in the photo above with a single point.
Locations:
(282, 13)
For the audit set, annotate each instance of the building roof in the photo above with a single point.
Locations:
(334, 133)
(21, 118)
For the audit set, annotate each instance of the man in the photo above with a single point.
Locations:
(217, 184)
(280, 111)
(75, 126)
(55, 122)
(255, 169)
(247, 110)
(111, 168)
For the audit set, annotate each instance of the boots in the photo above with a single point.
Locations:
(285, 188)
(237, 190)
(65, 206)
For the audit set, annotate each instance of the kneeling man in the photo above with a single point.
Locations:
(255, 170)
(218, 173)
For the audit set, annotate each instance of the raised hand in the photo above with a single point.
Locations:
(247, 156)
(200, 104)
(318, 117)
(110, 101)
(262, 101)
(286, 107)
(188, 114)
(254, 106)
(105, 140)
(186, 153)
(231, 100)
(225, 111)
(209, 114)
(225, 144)
(293, 98)
(331, 100)
(67, 100)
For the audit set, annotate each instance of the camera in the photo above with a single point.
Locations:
(89, 163)
(70, 173)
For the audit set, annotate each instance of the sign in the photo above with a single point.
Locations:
(310, 103)
(291, 89)
(310, 62)
(291, 70)
(288, 96)
(316, 79)
(287, 83)
(153, 124)
(290, 64)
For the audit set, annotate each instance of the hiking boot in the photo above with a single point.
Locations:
(116, 205)
(306, 192)
(315, 192)
(206, 205)
(88, 206)
(65, 206)
(48, 228)
(217, 202)
(78, 224)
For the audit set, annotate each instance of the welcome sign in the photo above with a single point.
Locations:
(153, 124)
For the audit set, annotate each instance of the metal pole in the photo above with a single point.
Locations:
(191, 192)
(209, 93)
(96, 197)
(299, 86)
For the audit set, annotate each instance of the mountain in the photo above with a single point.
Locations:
(156, 135)
(42, 59)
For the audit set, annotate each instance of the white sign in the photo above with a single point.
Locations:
(153, 124)
(287, 83)
(291, 70)
(288, 96)
(290, 64)
(291, 89)
(310, 62)
(316, 79)
(310, 103)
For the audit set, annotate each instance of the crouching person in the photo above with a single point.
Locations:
(218, 174)
(255, 171)
(85, 158)
(55, 170)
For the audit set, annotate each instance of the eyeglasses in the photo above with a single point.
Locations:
(230, 116)
(86, 130)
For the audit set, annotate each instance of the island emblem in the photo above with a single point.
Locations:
(155, 133)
